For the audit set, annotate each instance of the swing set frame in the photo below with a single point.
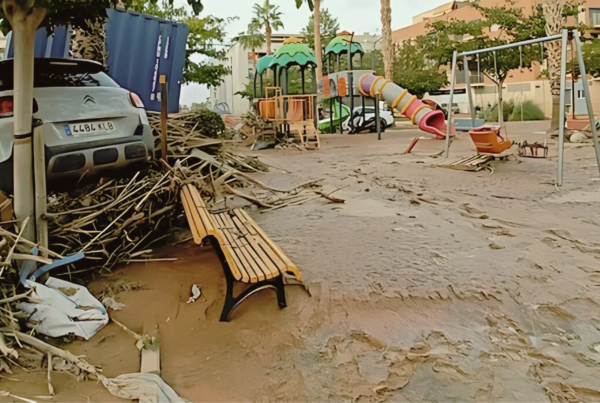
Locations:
(563, 37)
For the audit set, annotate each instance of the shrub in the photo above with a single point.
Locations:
(530, 112)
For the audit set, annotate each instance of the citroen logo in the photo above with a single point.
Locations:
(88, 100)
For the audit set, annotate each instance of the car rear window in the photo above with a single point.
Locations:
(59, 74)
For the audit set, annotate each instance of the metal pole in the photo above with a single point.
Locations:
(563, 86)
(341, 112)
(164, 114)
(351, 84)
(303, 84)
(468, 81)
(512, 45)
(39, 168)
(331, 111)
(588, 99)
(573, 79)
(520, 72)
(378, 123)
(453, 79)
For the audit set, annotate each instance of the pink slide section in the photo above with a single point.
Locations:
(419, 113)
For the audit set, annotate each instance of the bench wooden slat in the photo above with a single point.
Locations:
(239, 260)
(266, 264)
(245, 260)
(206, 216)
(291, 267)
(240, 243)
(193, 218)
(281, 265)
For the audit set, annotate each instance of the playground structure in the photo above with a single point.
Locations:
(365, 83)
(564, 38)
(291, 115)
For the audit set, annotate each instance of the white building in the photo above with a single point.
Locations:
(241, 62)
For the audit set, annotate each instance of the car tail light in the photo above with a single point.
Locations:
(6, 107)
(136, 100)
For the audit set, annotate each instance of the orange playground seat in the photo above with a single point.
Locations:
(488, 140)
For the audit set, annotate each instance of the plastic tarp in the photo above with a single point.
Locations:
(147, 388)
(60, 308)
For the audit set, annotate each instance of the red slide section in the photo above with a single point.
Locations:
(435, 123)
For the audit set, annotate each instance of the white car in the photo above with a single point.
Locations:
(90, 124)
(387, 117)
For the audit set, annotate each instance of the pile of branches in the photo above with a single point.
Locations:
(115, 221)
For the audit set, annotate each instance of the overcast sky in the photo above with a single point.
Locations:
(353, 15)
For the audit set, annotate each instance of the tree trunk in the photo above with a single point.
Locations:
(555, 22)
(388, 47)
(318, 49)
(24, 24)
(268, 35)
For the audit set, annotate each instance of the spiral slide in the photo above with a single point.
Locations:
(419, 113)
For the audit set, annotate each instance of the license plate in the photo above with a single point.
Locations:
(90, 128)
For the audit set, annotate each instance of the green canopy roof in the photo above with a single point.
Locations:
(263, 64)
(339, 44)
(293, 54)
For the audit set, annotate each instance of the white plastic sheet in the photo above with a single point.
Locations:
(147, 388)
(60, 308)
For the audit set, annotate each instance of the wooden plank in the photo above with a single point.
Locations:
(279, 263)
(254, 241)
(255, 267)
(236, 263)
(254, 275)
(204, 213)
(268, 267)
(150, 355)
(289, 265)
(192, 218)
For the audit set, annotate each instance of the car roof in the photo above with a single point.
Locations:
(74, 66)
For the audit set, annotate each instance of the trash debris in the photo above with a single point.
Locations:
(147, 388)
(196, 293)
(110, 303)
(60, 308)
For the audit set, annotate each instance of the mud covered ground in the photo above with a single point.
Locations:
(428, 285)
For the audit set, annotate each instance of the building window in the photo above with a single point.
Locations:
(580, 94)
(595, 16)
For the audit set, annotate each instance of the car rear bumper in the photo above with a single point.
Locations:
(93, 157)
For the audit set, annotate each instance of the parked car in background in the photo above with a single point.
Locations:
(90, 124)
(455, 108)
(387, 117)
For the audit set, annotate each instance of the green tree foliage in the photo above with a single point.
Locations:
(310, 3)
(498, 26)
(329, 29)
(251, 39)
(268, 17)
(591, 57)
(416, 67)
(72, 12)
(206, 41)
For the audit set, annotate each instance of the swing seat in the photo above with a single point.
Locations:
(488, 140)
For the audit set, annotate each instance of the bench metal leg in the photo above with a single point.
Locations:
(232, 302)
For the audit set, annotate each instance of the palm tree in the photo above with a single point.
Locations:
(268, 17)
(555, 22)
(315, 6)
(388, 47)
(252, 39)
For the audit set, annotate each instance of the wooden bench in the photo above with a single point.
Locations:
(246, 253)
